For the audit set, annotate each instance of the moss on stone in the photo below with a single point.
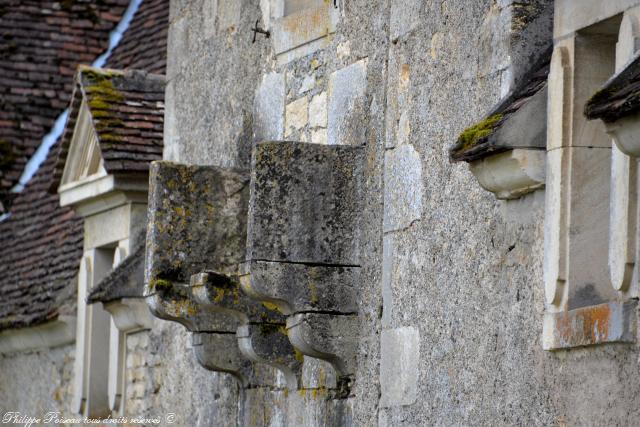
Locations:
(474, 134)
(101, 98)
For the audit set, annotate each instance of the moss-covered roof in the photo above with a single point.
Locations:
(476, 142)
(127, 112)
(619, 96)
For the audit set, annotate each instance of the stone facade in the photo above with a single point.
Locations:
(450, 306)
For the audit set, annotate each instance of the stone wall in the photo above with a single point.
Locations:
(37, 382)
(451, 303)
(453, 278)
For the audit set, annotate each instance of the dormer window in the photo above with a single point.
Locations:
(113, 132)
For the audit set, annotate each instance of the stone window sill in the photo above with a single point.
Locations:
(599, 324)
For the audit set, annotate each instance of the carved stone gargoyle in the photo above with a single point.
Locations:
(195, 241)
(303, 245)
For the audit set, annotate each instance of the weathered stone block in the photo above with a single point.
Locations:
(318, 111)
(297, 115)
(305, 204)
(268, 108)
(179, 242)
(603, 323)
(403, 188)
(298, 287)
(346, 111)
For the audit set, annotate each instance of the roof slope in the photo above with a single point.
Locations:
(41, 44)
(620, 95)
(40, 251)
(144, 45)
(41, 243)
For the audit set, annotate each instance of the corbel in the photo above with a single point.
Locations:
(261, 332)
(197, 223)
(303, 254)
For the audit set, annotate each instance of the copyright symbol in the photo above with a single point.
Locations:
(171, 418)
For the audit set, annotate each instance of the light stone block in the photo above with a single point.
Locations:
(556, 225)
(603, 323)
(559, 97)
(308, 83)
(405, 16)
(594, 64)
(588, 278)
(268, 108)
(298, 33)
(403, 188)
(318, 111)
(399, 374)
(346, 115)
(319, 136)
(387, 277)
(297, 115)
(623, 219)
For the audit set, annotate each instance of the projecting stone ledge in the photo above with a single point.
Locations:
(604, 323)
(506, 150)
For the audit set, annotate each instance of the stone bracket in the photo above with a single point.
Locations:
(206, 348)
(261, 332)
(327, 336)
(195, 240)
(296, 288)
(303, 254)
(511, 174)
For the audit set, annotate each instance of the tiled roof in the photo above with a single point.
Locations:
(41, 44)
(144, 45)
(127, 110)
(40, 250)
(620, 95)
(475, 142)
(41, 243)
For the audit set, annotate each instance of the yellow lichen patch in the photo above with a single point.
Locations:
(270, 306)
(160, 284)
(472, 135)
(298, 355)
(313, 293)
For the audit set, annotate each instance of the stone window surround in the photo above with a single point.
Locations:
(577, 219)
(111, 208)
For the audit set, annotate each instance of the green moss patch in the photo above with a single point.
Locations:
(478, 132)
(102, 96)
